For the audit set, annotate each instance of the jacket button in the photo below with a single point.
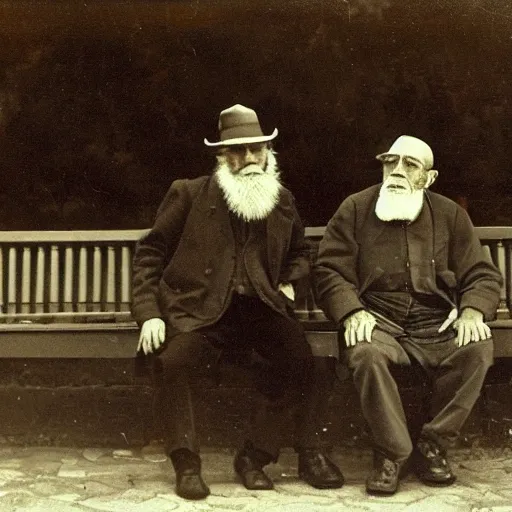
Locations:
(208, 271)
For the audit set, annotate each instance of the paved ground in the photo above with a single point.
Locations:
(72, 480)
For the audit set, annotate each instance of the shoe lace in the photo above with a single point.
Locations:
(388, 468)
(433, 452)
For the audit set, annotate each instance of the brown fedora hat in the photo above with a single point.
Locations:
(240, 125)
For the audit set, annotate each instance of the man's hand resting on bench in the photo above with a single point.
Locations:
(152, 335)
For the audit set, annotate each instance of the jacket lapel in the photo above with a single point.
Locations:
(279, 227)
(215, 208)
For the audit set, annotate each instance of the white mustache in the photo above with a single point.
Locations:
(397, 183)
(251, 169)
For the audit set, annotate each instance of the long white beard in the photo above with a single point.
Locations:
(250, 196)
(399, 206)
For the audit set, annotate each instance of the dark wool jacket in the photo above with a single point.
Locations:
(359, 248)
(183, 268)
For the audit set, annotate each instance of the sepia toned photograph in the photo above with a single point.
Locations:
(255, 255)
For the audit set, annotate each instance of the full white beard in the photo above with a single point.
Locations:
(250, 196)
(399, 206)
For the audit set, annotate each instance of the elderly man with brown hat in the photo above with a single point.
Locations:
(215, 275)
(403, 274)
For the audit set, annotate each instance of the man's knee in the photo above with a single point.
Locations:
(184, 351)
(365, 354)
(479, 356)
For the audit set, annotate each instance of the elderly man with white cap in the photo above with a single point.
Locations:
(215, 275)
(403, 274)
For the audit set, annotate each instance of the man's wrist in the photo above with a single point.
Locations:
(348, 315)
(472, 312)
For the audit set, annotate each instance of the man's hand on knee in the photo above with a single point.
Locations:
(470, 327)
(359, 327)
(152, 335)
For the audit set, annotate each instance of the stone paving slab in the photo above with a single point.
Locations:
(41, 479)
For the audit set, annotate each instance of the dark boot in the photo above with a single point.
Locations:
(189, 482)
(248, 466)
(319, 471)
(384, 477)
(431, 465)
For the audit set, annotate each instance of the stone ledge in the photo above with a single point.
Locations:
(122, 416)
(100, 402)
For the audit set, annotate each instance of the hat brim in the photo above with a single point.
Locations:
(381, 156)
(242, 140)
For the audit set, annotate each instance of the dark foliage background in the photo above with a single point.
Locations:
(103, 104)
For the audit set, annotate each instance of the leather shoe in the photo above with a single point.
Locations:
(319, 471)
(189, 482)
(384, 476)
(431, 464)
(250, 472)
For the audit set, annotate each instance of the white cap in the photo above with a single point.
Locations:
(411, 146)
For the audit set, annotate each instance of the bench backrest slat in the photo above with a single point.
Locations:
(66, 277)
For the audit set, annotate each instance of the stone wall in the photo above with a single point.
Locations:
(84, 402)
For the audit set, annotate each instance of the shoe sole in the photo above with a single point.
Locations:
(322, 486)
(433, 483)
(240, 480)
(196, 497)
(379, 492)
(193, 498)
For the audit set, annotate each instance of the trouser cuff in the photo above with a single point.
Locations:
(183, 458)
(263, 455)
(444, 442)
(398, 458)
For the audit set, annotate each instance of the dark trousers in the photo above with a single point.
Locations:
(289, 378)
(456, 375)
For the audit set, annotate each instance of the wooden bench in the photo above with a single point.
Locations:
(67, 346)
(66, 294)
